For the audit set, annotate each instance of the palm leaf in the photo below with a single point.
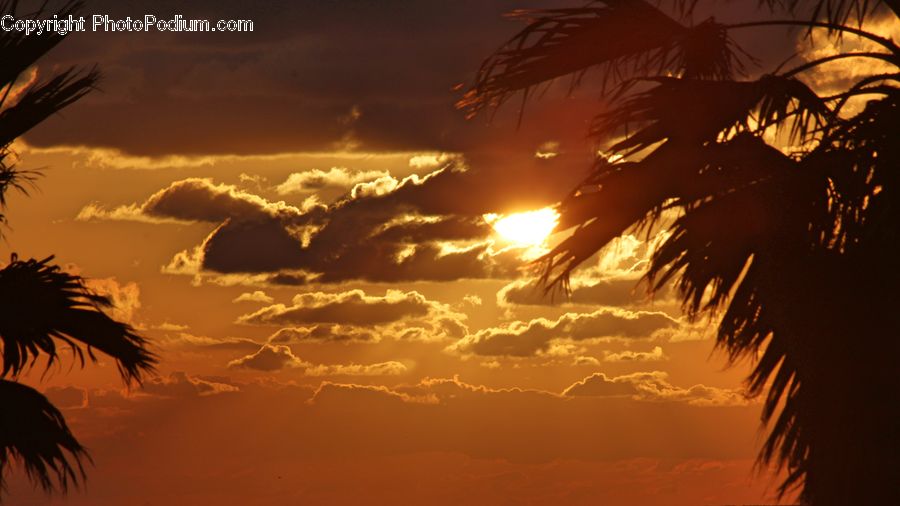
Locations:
(34, 434)
(794, 252)
(11, 178)
(835, 11)
(717, 108)
(19, 51)
(40, 304)
(626, 37)
(42, 100)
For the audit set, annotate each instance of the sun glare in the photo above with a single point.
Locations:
(530, 228)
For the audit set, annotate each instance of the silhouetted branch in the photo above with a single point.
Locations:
(41, 304)
(892, 59)
(34, 434)
(881, 41)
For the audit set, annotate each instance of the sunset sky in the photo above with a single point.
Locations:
(329, 261)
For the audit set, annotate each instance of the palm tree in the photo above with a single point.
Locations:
(42, 306)
(787, 216)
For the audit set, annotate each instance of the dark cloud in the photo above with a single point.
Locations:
(291, 84)
(360, 83)
(420, 227)
(287, 86)
(288, 279)
(201, 200)
(253, 235)
(415, 229)
(248, 245)
(411, 229)
(196, 199)
(401, 231)
(268, 358)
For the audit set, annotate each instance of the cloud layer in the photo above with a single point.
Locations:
(273, 357)
(385, 230)
(534, 337)
(351, 307)
(653, 386)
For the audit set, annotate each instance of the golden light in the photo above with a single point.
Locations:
(529, 228)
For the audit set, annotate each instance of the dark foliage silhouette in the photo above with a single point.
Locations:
(41, 306)
(793, 249)
(34, 432)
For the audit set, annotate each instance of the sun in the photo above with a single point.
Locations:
(529, 228)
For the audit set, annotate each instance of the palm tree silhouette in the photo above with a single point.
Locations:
(794, 249)
(42, 306)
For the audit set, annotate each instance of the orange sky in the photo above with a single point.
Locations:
(336, 320)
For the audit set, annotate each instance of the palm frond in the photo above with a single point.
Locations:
(834, 11)
(40, 304)
(707, 51)
(793, 251)
(717, 108)
(746, 180)
(42, 100)
(606, 204)
(835, 29)
(649, 117)
(625, 37)
(34, 434)
(886, 57)
(19, 51)
(13, 179)
(788, 103)
(866, 86)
